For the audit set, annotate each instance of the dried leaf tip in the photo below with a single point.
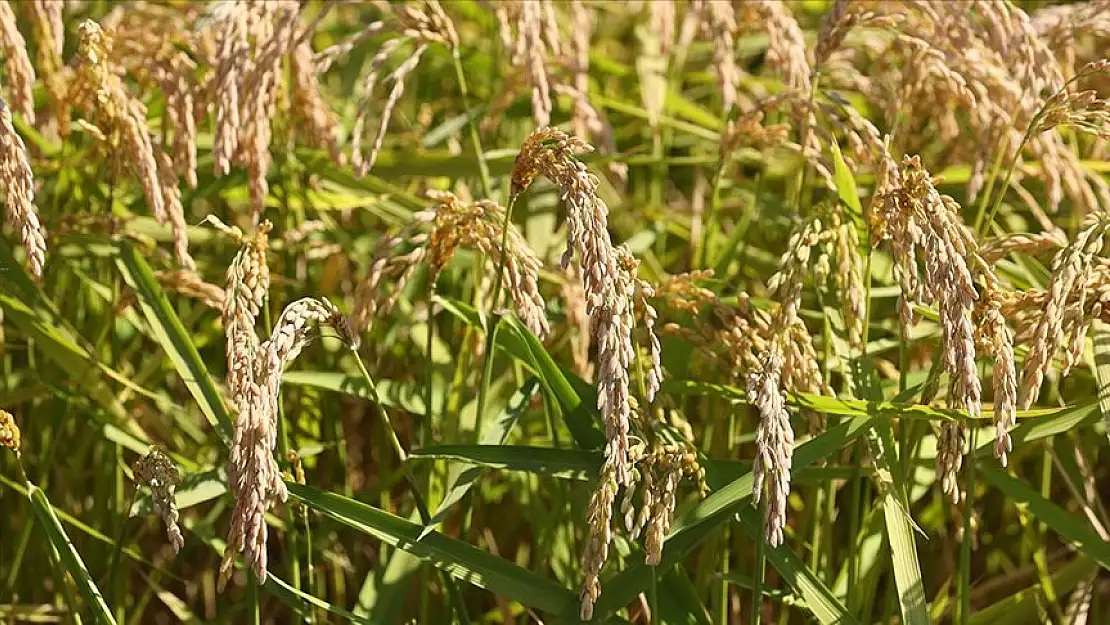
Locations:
(156, 471)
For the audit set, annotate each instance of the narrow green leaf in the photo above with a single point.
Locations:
(846, 188)
(304, 602)
(173, 338)
(68, 556)
(575, 464)
(1102, 368)
(496, 432)
(1066, 525)
(1025, 607)
(393, 394)
(459, 559)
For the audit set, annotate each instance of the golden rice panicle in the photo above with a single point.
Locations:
(1082, 110)
(599, 517)
(246, 287)
(478, 226)
(922, 226)
(121, 117)
(434, 236)
(427, 24)
(663, 468)
(18, 182)
(395, 260)
(368, 101)
(997, 341)
(250, 40)
(774, 440)
(253, 474)
(175, 211)
(254, 479)
(609, 291)
(398, 77)
(787, 50)
(9, 431)
(993, 250)
(320, 125)
(841, 19)
(45, 17)
(529, 33)
(324, 59)
(577, 323)
(17, 64)
(718, 22)
(951, 439)
(643, 294)
(156, 471)
(233, 53)
(145, 42)
(1071, 269)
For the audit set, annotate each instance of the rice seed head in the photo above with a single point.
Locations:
(998, 342)
(121, 116)
(1071, 270)
(175, 210)
(246, 287)
(787, 50)
(17, 64)
(950, 454)
(9, 431)
(996, 249)
(253, 474)
(718, 22)
(157, 472)
(398, 77)
(434, 236)
(320, 125)
(427, 22)
(18, 182)
(599, 517)
(49, 34)
(774, 441)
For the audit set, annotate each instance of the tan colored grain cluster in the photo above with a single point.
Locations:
(656, 471)
(433, 237)
(1063, 320)
(9, 431)
(18, 182)
(17, 65)
(606, 273)
(254, 478)
(121, 120)
(156, 471)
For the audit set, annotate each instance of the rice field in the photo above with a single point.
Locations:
(651, 312)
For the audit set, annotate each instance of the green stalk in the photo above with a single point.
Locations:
(714, 205)
(494, 319)
(417, 496)
(965, 544)
(475, 140)
(428, 410)
(760, 562)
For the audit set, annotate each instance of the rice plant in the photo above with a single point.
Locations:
(554, 312)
